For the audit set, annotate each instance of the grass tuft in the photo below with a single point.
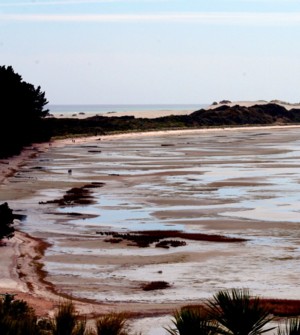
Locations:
(112, 324)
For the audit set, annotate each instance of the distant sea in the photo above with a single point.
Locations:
(102, 109)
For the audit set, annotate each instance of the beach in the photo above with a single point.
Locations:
(148, 114)
(240, 183)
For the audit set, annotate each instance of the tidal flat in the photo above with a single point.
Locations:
(241, 184)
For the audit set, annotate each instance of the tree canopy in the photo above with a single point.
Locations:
(21, 113)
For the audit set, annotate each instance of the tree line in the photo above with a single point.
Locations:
(23, 117)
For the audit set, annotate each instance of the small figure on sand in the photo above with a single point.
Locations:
(69, 172)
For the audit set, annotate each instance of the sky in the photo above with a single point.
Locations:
(154, 51)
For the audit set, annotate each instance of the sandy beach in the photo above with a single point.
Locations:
(149, 114)
(133, 172)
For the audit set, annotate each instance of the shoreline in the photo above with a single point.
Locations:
(24, 247)
(10, 166)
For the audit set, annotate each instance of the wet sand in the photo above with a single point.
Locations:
(239, 182)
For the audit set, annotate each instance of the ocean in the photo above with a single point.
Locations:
(102, 109)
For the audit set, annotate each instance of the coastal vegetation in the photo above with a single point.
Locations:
(238, 313)
(22, 113)
(229, 312)
(24, 119)
(268, 114)
(193, 321)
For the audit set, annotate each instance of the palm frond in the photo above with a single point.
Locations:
(191, 321)
(239, 313)
(291, 327)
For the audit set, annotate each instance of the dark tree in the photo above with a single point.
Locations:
(21, 113)
(6, 221)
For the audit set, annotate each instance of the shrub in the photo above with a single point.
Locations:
(112, 324)
(238, 313)
(192, 321)
(17, 318)
(66, 321)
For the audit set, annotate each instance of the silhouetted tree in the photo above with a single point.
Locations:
(6, 221)
(21, 113)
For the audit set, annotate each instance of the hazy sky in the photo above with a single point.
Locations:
(154, 51)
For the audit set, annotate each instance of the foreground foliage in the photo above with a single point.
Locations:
(66, 321)
(192, 321)
(112, 324)
(17, 318)
(232, 312)
(291, 327)
(238, 313)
